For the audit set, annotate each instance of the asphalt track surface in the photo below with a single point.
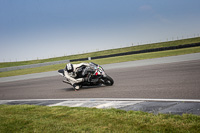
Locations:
(178, 80)
(163, 85)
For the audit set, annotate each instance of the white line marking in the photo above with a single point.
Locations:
(109, 99)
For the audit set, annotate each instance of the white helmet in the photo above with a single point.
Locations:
(69, 67)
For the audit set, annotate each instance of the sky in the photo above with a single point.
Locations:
(39, 29)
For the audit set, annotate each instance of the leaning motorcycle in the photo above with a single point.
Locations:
(96, 73)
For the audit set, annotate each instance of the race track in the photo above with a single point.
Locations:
(179, 80)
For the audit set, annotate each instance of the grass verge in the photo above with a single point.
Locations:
(105, 52)
(32, 118)
(106, 61)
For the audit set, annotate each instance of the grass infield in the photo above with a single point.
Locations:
(32, 118)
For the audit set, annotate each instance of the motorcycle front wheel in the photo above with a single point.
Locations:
(108, 81)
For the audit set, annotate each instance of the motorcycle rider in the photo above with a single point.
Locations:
(72, 72)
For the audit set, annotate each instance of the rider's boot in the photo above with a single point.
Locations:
(76, 87)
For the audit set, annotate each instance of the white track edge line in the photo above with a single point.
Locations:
(109, 99)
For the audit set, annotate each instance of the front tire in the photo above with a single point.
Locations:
(108, 81)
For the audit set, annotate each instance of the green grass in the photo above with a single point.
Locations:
(105, 61)
(31, 118)
(106, 52)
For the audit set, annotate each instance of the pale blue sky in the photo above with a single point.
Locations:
(31, 29)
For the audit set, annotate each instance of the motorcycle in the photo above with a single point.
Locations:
(96, 73)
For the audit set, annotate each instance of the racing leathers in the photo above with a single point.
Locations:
(72, 76)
